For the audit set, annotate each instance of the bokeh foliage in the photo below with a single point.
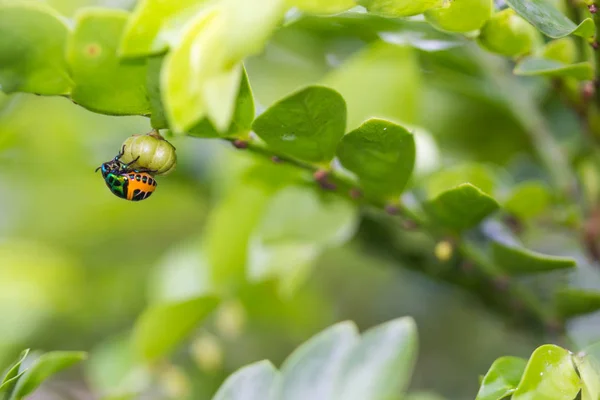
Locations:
(366, 141)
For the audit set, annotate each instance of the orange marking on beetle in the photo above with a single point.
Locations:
(135, 184)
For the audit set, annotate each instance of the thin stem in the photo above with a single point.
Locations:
(594, 9)
(344, 186)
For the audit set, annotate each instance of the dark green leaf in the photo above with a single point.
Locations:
(32, 49)
(103, 83)
(544, 16)
(253, 382)
(534, 66)
(515, 260)
(549, 375)
(502, 378)
(12, 375)
(380, 366)
(307, 125)
(310, 371)
(45, 366)
(161, 327)
(461, 207)
(571, 302)
(243, 115)
(381, 154)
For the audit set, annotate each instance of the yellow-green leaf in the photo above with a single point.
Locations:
(32, 49)
(549, 375)
(400, 8)
(103, 82)
(145, 23)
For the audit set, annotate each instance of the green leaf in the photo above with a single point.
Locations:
(311, 370)
(103, 83)
(381, 154)
(549, 375)
(571, 302)
(502, 378)
(158, 119)
(307, 125)
(139, 36)
(549, 20)
(380, 366)
(461, 15)
(528, 200)
(400, 8)
(161, 327)
(534, 66)
(589, 370)
(45, 366)
(241, 122)
(515, 260)
(11, 377)
(252, 382)
(461, 207)
(322, 7)
(32, 47)
(203, 71)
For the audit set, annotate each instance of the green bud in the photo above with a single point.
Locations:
(508, 34)
(154, 153)
(461, 15)
(562, 50)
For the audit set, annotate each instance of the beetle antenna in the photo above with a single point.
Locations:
(98, 168)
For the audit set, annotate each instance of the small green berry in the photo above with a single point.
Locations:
(562, 50)
(461, 15)
(154, 152)
(508, 34)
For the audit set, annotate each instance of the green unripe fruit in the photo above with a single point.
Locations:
(508, 34)
(562, 50)
(461, 15)
(154, 153)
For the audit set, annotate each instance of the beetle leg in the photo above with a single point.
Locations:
(128, 164)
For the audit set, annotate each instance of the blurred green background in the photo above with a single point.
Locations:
(78, 265)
